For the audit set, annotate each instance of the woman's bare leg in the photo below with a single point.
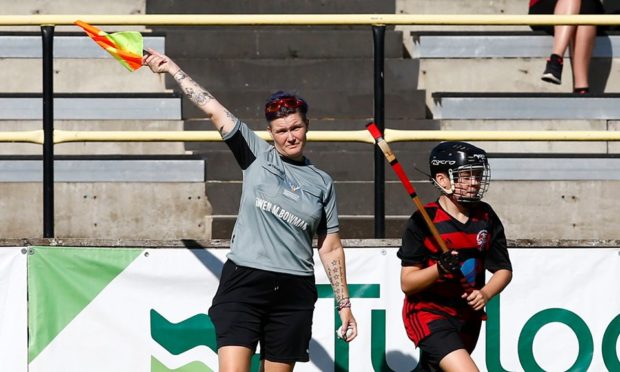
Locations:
(458, 361)
(234, 358)
(563, 34)
(268, 366)
(581, 54)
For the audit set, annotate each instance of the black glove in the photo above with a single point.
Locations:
(448, 264)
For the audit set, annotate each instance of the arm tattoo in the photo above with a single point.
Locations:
(180, 75)
(335, 273)
(231, 116)
(200, 97)
(194, 92)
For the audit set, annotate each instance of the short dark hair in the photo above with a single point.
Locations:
(282, 104)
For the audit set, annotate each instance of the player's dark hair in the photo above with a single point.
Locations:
(282, 104)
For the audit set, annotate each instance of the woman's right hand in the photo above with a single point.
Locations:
(159, 63)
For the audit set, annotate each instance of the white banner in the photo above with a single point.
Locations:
(13, 310)
(561, 310)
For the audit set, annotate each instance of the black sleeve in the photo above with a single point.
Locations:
(497, 257)
(412, 251)
(241, 150)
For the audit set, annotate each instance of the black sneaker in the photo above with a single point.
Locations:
(553, 70)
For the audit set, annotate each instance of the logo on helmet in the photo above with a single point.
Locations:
(443, 162)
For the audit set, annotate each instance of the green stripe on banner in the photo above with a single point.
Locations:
(157, 366)
(355, 291)
(62, 281)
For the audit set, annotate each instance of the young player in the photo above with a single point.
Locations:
(446, 292)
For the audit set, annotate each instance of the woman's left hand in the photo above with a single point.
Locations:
(477, 299)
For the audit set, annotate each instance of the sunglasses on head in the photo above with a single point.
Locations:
(292, 103)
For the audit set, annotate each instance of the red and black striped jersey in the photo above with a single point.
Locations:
(481, 244)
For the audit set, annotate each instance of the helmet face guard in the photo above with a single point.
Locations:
(468, 183)
(467, 167)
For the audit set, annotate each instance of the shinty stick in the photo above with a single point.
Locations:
(400, 172)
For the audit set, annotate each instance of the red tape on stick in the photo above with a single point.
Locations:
(374, 130)
(398, 169)
(400, 172)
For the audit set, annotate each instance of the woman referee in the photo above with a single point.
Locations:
(267, 289)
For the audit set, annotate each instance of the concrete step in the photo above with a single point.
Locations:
(180, 211)
(469, 7)
(557, 209)
(351, 227)
(479, 7)
(269, 7)
(329, 124)
(358, 167)
(108, 210)
(94, 106)
(172, 169)
(497, 44)
(572, 216)
(267, 43)
(77, 76)
(354, 75)
(538, 147)
(354, 198)
(342, 160)
(29, 7)
(324, 103)
(66, 45)
(525, 106)
(568, 168)
(315, 125)
(95, 148)
(343, 163)
(509, 75)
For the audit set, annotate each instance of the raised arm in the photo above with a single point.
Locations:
(331, 253)
(221, 118)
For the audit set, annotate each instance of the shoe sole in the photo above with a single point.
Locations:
(551, 79)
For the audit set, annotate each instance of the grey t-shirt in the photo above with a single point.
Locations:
(283, 204)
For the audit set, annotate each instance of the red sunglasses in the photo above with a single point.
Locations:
(292, 103)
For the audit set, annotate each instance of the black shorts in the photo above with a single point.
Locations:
(275, 309)
(447, 335)
(548, 7)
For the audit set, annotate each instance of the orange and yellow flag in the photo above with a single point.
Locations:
(125, 46)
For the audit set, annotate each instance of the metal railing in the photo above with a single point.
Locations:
(390, 135)
(310, 19)
(48, 136)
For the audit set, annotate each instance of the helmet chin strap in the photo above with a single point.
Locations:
(448, 192)
(445, 191)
